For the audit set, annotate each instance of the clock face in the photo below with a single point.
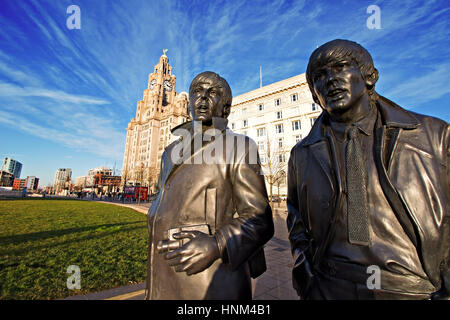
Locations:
(152, 84)
(167, 85)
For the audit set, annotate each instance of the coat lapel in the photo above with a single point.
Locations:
(320, 143)
(393, 120)
(321, 154)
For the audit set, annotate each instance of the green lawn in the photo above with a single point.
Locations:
(39, 239)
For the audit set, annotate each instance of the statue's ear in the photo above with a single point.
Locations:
(372, 78)
(226, 110)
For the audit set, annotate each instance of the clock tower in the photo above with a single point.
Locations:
(160, 110)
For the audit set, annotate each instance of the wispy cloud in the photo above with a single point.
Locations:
(10, 90)
(425, 88)
(88, 135)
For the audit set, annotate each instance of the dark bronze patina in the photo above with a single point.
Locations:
(210, 221)
(405, 170)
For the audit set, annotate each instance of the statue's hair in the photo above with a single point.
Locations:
(340, 49)
(220, 83)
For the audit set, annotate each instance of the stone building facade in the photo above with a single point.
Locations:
(160, 109)
(276, 117)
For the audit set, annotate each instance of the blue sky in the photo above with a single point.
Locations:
(66, 96)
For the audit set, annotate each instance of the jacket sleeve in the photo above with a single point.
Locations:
(253, 227)
(302, 276)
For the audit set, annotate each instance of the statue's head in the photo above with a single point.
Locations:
(339, 73)
(209, 96)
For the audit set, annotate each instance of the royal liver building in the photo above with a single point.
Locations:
(160, 110)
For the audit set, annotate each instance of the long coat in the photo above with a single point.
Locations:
(412, 153)
(230, 196)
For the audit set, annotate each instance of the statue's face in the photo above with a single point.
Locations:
(338, 85)
(206, 99)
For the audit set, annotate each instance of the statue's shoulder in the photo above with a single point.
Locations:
(399, 115)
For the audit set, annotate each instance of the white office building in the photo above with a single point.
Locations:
(276, 117)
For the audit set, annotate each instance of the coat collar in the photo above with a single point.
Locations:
(392, 116)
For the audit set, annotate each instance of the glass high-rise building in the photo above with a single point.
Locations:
(12, 166)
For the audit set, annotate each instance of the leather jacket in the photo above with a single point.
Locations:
(412, 153)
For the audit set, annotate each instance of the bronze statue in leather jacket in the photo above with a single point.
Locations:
(401, 202)
(211, 217)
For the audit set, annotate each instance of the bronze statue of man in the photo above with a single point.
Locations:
(211, 217)
(368, 189)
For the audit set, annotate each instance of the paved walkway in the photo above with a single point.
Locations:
(274, 284)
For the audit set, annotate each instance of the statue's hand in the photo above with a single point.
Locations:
(196, 255)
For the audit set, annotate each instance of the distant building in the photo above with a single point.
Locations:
(276, 117)
(160, 110)
(93, 173)
(19, 184)
(63, 178)
(81, 181)
(12, 166)
(6, 179)
(32, 183)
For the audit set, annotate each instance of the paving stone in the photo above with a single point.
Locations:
(265, 296)
(283, 293)
(260, 288)
(268, 281)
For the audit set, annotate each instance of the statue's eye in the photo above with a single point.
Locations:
(318, 75)
(341, 65)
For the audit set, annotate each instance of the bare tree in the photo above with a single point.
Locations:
(124, 178)
(152, 176)
(139, 177)
(274, 167)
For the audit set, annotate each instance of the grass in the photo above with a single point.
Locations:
(40, 239)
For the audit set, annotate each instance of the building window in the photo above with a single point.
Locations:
(294, 97)
(298, 138)
(245, 123)
(296, 125)
(280, 143)
(260, 107)
(261, 146)
(262, 158)
(313, 120)
(281, 157)
(277, 102)
(314, 107)
(279, 114)
(279, 128)
(244, 111)
(232, 126)
(261, 132)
